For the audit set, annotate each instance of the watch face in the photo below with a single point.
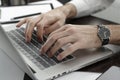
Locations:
(104, 33)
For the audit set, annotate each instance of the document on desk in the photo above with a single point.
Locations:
(112, 13)
(9, 12)
(55, 3)
(80, 76)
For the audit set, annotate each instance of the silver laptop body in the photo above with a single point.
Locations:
(7, 47)
(44, 68)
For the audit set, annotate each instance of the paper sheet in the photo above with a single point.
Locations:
(54, 2)
(80, 76)
(9, 12)
(112, 13)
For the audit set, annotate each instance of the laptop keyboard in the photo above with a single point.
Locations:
(31, 50)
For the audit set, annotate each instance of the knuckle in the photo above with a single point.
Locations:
(23, 20)
(67, 26)
(70, 49)
(59, 42)
(53, 38)
(61, 56)
(32, 22)
(58, 24)
(72, 30)
(47, 16)
(38, 25)
(28, 19)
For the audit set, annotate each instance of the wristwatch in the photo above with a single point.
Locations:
(103, 34)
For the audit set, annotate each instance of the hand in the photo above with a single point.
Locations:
(48, 22)
(80, 37)
(45, 23)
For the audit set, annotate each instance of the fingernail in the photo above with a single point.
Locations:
(41, 52)
(42, 38)
(39, 39)
(17, 26)
(59, 58)
(50, 54)
(27, 39)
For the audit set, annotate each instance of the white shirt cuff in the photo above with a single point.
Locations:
(87, 7)
(81, 7)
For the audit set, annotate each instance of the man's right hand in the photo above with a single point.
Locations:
(48, 22)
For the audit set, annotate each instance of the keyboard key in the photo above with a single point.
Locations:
(35, 43)
(49, 60)
(29, 51)
(55, 59)
(32, 49)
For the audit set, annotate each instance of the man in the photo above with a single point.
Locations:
(80, 37)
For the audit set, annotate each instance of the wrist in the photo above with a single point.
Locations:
(104, 34)
(69, 10)
(114, 30)
(111, 36)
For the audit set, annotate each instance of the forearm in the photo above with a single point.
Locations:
(115, 34)
(78, 8)
(69, 10)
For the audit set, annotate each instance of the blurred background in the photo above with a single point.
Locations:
(13, 2)
(22, 2)
(112, 13)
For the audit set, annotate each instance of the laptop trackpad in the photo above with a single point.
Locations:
(8, 69)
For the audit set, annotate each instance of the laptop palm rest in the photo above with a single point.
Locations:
(8, 69)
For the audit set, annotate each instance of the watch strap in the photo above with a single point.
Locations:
(103, 40)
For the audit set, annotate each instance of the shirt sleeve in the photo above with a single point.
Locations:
(87, 7)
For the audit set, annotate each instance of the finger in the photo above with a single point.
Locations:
(21, 22)
(26, 38)
(60, 43)
(53, 27)
(68, 51)
(40, 30)
(50, 19)
(40, 26)
(50, 41)
(57, 31)
(30, 27)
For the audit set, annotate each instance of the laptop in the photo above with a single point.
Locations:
(7, 66)
(112, 74)
(41, 67)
